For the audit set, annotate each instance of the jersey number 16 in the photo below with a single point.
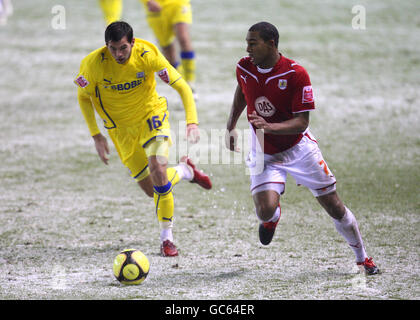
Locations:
(154, 123)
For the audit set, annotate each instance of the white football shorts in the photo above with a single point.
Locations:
(304, 162)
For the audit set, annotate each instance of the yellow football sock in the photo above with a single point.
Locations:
(188, 65)
(164, 199)
(164, 208)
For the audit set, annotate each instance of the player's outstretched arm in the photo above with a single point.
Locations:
(238, 107)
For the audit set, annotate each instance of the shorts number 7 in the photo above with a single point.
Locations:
(322, 163)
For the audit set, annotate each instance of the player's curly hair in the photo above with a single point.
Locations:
(267, 31)
(118, 30)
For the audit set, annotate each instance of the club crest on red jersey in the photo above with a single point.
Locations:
(164, 75)
(307, 94)
(282, 84)
(81, 82)
(264, 107)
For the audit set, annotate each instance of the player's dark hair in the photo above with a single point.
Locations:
(267, 31)
(118, 30)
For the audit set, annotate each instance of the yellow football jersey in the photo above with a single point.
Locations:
(125, 94)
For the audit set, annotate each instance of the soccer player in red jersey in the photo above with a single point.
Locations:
(278, 95)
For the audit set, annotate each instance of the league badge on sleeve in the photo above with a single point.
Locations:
(307, 95)
(81, 82)
(164, 75)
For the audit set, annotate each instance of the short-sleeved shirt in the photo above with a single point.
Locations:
(276, 95)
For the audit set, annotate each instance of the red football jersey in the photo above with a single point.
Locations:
(275, 96)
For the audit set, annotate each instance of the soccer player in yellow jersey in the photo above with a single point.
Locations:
(170, 20)
(118, 81)
(111, 9)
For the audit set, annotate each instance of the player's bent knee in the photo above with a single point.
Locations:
(267, 200)
(159, 176)
(266, 209)
(266, 212)
(158, 173)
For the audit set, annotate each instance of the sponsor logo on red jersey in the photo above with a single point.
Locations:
(264, 107)
(307, 95)
(164, 75)
(81, 82)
